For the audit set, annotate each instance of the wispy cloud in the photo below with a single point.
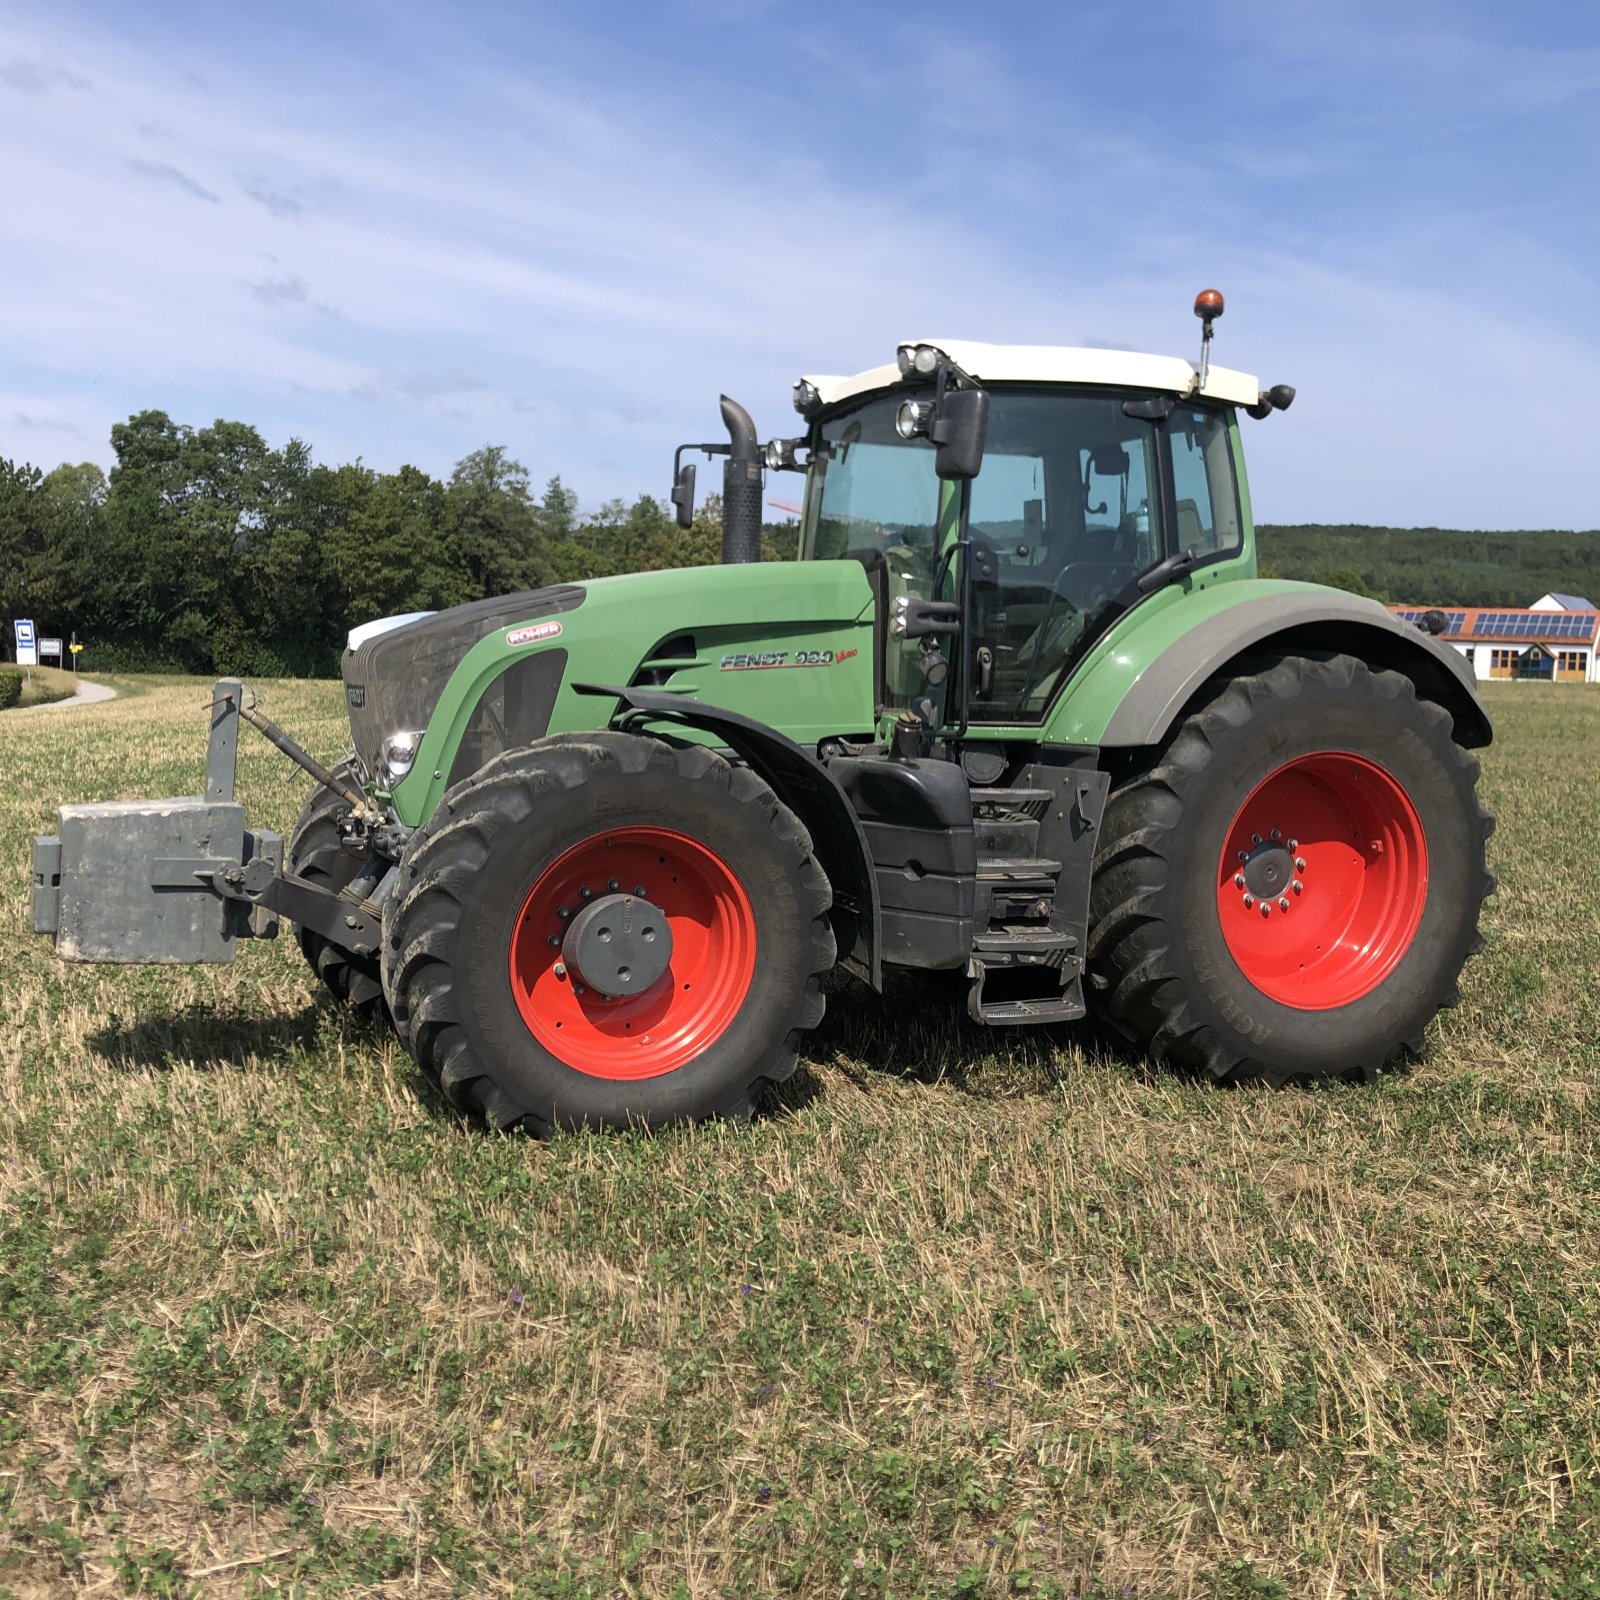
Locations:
(283, 291)
(165, 172)
(275, 201)
(28, 76)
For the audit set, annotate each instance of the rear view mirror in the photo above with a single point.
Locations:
(960, 429)
(683, 495)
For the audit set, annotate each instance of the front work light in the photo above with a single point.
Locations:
(914, 418)
(919, 358)
(805, 397)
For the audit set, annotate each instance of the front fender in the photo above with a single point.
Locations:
(1150, 667)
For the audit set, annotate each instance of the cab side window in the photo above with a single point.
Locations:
(1203, 484)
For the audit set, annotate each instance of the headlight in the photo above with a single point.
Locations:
(904, 356)
(399, 751)
(926, 360)
(805, 397)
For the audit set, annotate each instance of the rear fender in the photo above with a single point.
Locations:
(1289, 621)
(806, 787)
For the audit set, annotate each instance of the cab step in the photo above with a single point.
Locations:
(1017, 869)
(998, 802)
(1021, 945)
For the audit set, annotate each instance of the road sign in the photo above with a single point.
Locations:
(77, 649)
(27, 643)
(50, 647)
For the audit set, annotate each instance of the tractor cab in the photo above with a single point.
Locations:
(1099, 476)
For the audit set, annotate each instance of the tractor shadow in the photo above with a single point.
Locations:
(207, 1038)
(919, 1030)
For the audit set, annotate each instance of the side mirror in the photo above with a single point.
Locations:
(683, 495)
(960, 429)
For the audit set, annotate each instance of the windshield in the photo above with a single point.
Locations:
(871, 490)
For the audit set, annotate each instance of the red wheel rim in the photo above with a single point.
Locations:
(1322, 880)
(687, 1009)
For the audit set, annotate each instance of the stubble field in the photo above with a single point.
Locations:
(966, 1314)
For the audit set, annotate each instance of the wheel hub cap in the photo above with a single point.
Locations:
(1268, 870)
(619, 944)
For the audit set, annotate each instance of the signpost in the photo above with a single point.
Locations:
(27, 643)
(49, 647)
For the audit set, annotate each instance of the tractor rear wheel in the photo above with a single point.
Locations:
(315, 852)
(1289, 889)
(605, 930)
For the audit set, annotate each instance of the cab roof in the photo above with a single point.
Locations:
(1054, 363)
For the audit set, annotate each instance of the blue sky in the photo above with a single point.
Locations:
(401, 231)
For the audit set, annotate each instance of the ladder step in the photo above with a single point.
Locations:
(1001, 1012)
(1024, 939)
(1018, 869)
(990, 801)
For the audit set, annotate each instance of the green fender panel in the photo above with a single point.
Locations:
(1137, 680)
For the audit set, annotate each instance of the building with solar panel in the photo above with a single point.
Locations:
(1555, 640)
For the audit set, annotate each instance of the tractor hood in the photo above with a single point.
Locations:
(503, 671)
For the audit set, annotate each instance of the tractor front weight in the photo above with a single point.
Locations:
(182, 879)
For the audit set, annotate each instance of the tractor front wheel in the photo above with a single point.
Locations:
(605, 930)
(1289, 890)
(316, 852)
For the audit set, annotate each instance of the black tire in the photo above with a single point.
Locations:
(314, 852)
(466, 875)
(1161, 971)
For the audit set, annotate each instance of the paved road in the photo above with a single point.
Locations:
(88, 693)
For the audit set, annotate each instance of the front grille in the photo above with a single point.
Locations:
(393, 681)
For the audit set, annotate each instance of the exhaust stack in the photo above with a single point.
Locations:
(741, 487)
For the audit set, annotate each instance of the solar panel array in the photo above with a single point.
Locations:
(1535, 625)
(1454, 620)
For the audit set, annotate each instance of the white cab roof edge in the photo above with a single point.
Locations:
(1052, 363)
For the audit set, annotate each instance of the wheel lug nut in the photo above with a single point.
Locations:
(1299, 863)
(585, 892)
(1255, 838)
(563, 912)
(1266, 909)
(1283, 905)
(1249, 900)
(1276, 834)
(1297, 886)
(613, 885)
(1238, 880)
(1294, 844)
(555, 940)
(578, 988)
(638, 889)
(1244, 855)
(560, 969)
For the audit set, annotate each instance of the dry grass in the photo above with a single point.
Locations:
(42, 685)
(970, 1314)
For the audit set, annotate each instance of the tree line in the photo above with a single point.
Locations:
(205, 550)
(1435, 566)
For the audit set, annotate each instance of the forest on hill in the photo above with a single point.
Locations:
(1435, 566)
(207, 550)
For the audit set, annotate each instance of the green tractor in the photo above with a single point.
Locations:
(1022, 712)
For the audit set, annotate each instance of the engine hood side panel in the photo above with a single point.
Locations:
(788, 644)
